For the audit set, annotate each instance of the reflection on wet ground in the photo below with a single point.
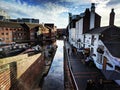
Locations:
(55, 78)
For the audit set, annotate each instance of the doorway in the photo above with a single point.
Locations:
(104, 63)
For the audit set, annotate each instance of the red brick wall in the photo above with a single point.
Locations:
(6, 35)
(26, 81)
(31, 76)
(5, 80)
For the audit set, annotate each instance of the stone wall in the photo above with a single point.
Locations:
(21, 72)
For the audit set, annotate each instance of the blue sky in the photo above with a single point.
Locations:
(56, 11)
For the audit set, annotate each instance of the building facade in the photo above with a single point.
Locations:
(99, 44)
(3, 15)
(11, 32)
(25, 20)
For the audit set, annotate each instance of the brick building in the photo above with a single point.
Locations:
(12, 32)
(52, 31)
(61, 32)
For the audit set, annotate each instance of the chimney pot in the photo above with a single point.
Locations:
(112, 17)
(93, 7)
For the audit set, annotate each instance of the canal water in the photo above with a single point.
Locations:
(55, 78)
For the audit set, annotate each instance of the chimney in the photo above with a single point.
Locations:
(93, 7)
(112, 17)
(92, 16)
(86, 21)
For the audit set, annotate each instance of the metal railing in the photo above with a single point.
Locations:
(70, 69)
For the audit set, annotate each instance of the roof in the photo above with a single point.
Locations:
(51, 25)
(99, 30)
(48, 27)
(20, 25)
(33, 25)
(10, 24)
(114, 47)
(111, 75)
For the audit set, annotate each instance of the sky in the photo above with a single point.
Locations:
(56, 11)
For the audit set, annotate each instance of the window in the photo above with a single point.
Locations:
(92, 40)
(14, 38)
(100, 57)
(110, 65)
(91, 52)
(2, 33)
(6, 33)
(117, 68)
(19, 34)
(0, 28)
(100, 49)
(3, 39)
(31, 33)
(7, 38)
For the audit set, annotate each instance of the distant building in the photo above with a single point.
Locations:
(25, 20)
(61, 32)
(52, 31)
(3, 15)
(11, 32)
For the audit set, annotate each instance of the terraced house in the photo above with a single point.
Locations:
(101, 44)
(12, 32)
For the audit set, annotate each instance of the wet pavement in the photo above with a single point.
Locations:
(55, 78)
(83, 72)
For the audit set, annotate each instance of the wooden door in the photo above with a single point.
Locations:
(104, 63)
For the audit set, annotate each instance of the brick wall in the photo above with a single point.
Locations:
(21, 74)
(5, 78)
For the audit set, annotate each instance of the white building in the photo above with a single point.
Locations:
(101, 43)
(81, 24)
(3, 15)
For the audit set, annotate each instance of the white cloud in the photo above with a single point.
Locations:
(50, 13)
(104, 11)
(99, 1)
(76, 1)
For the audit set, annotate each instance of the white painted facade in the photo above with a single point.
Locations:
(72, 37)
(79, 31)
(110, 59)
(93, 42)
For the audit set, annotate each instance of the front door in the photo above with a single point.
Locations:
(104, 63)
